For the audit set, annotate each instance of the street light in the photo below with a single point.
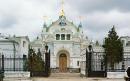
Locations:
(90, 48)
(46, 48)
(89, 58)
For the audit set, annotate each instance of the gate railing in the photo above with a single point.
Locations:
(14, 64)
(96, 64)
(1, 75)
(47, 70)
(1, 68)
(121, 66)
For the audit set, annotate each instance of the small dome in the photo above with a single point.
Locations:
(80, 25)
(45, 25)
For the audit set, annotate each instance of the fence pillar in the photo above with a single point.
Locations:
(24, 63)
(87, 66)
(31, 68)
(105, 57)
(14, 64)
(89, 61)
(123, 63)
(47, 63)
(2, 62)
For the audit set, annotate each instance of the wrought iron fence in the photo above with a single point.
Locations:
(97, 64)
(14, 64)
(1, 75)
(121, 66)
(1, 69)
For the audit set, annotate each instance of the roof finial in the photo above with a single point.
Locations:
(80, 18)
(45, 18)
(80, 24)
(62, 8)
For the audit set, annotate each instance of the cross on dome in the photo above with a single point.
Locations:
(62, 8)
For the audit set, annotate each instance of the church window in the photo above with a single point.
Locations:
(62, 36)
(77, 63)
(24, 43)
(128, 43)
(57, 37)
(123, 42)
(68, 36)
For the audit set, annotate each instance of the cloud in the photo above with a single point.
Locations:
(99, 23)
(88, 6)
(25, 17)
(7, 21)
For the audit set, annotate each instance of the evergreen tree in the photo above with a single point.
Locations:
(113, 48)
(35, 62)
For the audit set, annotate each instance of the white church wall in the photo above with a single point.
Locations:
(12, 48)
(23, 45)
(8, 49)
(74, 62)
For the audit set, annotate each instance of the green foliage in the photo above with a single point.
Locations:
(35, 62)
(113, 48)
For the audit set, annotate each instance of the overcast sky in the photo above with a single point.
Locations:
(26, 17)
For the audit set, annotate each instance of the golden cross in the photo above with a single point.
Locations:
(62, 10)
(81, 18)
(45, 18)
(62, 3)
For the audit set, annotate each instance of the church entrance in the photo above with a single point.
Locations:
(63, 63)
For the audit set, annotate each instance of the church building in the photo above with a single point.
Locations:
(65, 41)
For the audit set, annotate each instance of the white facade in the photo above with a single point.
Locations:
(13, 47)
(62, 37)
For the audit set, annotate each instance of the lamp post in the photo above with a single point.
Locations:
(46, 48)
(46, 58)
(89, 57)
(86, 63)
(47, 61)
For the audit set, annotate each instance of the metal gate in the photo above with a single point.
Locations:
(97, 65)
(1, 67)
(46, 69)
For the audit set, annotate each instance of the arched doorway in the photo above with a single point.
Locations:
(62, 63)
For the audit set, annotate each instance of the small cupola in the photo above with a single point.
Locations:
(44, 25)
(80, 25)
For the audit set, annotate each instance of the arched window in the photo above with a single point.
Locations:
(24, 43)
(62, 36)
(57, 37)
(128, 43)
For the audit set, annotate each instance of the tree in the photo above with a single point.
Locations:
(35, 62)
(113, 48)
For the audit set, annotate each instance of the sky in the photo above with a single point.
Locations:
(26, 17)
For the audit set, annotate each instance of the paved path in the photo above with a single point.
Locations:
(75, 79)
(62, 77)
(71, 77)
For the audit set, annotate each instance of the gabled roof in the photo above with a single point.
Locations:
(7, 40)
(62, 21)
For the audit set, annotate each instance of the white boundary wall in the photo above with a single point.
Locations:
(17, 74)
(116, 74)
